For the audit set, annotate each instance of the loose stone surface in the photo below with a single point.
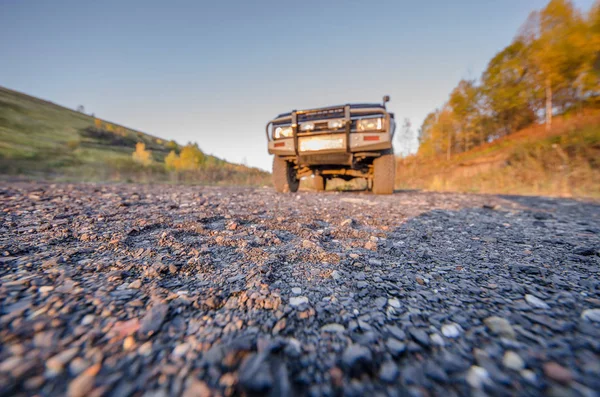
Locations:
(420, 336)
(395, 347)
(153, 320)
(198, 291)
(388, 372)
(357, 359)
(255, 376)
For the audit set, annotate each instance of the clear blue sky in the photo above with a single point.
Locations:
(215, 72)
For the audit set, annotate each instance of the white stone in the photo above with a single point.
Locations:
(297, 301)
(296, 291)
(529, 375)
(56, 363)
(135, 284)
(437, 340)
(333, 327)
(295, 345)
(393, 302)
(512, 360)
(451, 330)
(347, 222)
(477, 377)
(308, 244)
(536, 302)
(500, 326)
(181, 349)
(145, 349)
(591, 315)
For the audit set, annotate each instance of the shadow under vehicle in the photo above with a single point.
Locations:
(347, 141)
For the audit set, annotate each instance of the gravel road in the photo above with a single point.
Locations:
(198, 291)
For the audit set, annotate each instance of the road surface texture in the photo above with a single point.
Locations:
(166, 290)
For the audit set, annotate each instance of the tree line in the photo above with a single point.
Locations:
(182, 159)
(551, 67)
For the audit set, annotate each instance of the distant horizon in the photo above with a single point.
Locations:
(216, 73)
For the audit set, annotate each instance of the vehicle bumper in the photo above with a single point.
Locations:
(331, 143)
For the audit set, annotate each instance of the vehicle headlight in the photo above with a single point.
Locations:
(282, 132)
(369, 124)
(335, 124)
(307, 126)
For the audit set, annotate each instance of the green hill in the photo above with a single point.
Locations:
(40, 139)
(564, 161)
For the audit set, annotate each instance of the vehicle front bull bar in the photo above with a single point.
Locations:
(295, 131)
(347, 125)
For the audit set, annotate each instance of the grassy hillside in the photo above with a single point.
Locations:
(562, 162)
(39, 139)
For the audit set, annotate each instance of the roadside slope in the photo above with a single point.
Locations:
(40, 139)
(561, 162)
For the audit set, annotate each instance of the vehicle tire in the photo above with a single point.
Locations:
(384, 172)
(284, 176)
(319, 183)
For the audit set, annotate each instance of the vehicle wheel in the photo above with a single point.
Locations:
(284, 176)
(319, 183)
(384, 172)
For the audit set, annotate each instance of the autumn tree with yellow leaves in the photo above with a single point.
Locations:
(189, 159)
(551, 67)
(141, 155)
(557, 40)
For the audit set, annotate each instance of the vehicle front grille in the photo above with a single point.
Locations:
(321, 126)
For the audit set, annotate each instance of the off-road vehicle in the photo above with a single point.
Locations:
(347, 141)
